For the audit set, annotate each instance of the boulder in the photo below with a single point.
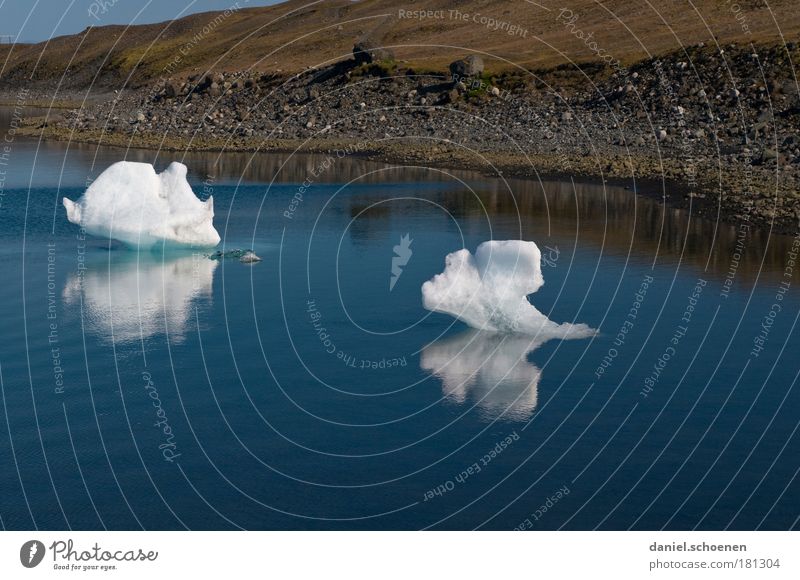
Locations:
(367, 51)
(769, 156)
(451, 96)
(471, 66)
(171, 89)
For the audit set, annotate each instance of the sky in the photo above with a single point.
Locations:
(37, 20)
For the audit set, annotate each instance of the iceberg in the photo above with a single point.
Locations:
(132, 203)
(489, 291)
(488, 369)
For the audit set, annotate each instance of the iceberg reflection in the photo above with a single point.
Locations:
(130, 297)
(489, 369)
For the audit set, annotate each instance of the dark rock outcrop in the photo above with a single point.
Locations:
(367, 51)
(471, 66)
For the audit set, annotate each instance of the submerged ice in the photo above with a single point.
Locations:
(489, 291)
(132, 203)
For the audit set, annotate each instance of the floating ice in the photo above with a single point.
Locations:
(489, 369)
(132, 203)
(489, 291)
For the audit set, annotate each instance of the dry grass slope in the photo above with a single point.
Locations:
(297, 34)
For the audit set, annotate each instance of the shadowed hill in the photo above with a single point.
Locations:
(292, 36)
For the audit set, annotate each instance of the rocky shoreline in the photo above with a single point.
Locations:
(714, 130)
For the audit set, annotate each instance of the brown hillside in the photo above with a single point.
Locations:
(297, 34)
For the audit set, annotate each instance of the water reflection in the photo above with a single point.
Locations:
(487, 369)
(129, 296)
(621, 222)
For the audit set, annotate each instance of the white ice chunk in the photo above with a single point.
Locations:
(132, 203)
(489, 290)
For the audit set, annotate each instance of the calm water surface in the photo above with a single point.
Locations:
(168, 391)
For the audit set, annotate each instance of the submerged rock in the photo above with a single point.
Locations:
(249, 257)
(244, 256)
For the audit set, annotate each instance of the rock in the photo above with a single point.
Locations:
(471, 66)
(170, 90)
(299, 96)
(758, 129)
(495, 92)
(249, 257)
(140, 117)
(769, 155)
(366, 51)
(244, 256)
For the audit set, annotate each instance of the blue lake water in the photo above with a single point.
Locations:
(164, 390)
